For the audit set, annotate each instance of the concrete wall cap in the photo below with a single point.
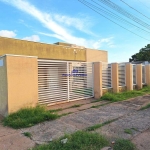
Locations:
(20, 55)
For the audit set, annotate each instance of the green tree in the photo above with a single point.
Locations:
(143, 55)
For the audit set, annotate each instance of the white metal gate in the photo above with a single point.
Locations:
(143, 74)
(122, 74)
(106, 75)
(134, 74)
(64, 81)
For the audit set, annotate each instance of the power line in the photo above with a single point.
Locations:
(125, 13)
(88, 5)
(144, 4)
(135, 9)
(116, 16)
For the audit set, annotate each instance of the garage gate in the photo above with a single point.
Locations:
(60, 81)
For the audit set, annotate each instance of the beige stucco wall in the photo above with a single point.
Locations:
(41, 50)
(51, 51)
(115, 83)
(96, 55)
(129, 76)
(22, 76)
(3, 87)
(97, 80)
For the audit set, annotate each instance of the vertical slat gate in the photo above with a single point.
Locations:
(121, 74)
(52, 86)
(80, 80)
(64, 81)
(106, 76)
(134, 75)
(143, 74)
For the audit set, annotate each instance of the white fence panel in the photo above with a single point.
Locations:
(122, 74)
(106, 76)
(64, 81)
(134, 74)
(81, 80)
(52, 86)
(143, 74)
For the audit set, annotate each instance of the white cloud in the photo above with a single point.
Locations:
(7, 33)
(69, 21)
(89, 43)
(51, 35)
(24, 23)
(100, 42)
(46, 20)
(79, 23)
(51, 23)
(34, 38)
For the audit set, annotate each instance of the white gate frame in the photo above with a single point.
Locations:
(81, 89)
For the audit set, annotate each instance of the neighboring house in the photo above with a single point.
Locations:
(140, 62)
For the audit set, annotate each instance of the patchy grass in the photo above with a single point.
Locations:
(28, 117)
(146, 89)
(74, 106)
(115, 97)
(55, 110)
(128, 131)
(92, 128)
(83, 140)
(65, 114)
(80, 140)
(97, 106)
(135, 129)
(145, 107)
(60, 109)
(122, 144)
(27, 134)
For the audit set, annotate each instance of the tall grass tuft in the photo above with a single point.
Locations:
(80, 140)
(28, 117)
(115, 97)
(122, 144)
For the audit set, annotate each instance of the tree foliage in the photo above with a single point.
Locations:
(143, 55)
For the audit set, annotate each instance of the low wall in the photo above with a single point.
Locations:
(19, 83)
(117, 76)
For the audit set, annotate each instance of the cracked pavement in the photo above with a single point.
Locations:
(126, 111)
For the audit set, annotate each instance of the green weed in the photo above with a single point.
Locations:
(122, 144)
(145, 107)
(27, 134)
(92, 128)
(80, 140)
(28, 117)
(128, 131)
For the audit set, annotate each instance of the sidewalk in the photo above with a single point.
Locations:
(44, 132)
(11, 139)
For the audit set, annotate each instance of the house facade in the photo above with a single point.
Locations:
(34, 73)
(57, 51)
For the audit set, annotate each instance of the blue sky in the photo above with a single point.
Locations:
(50, 21)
